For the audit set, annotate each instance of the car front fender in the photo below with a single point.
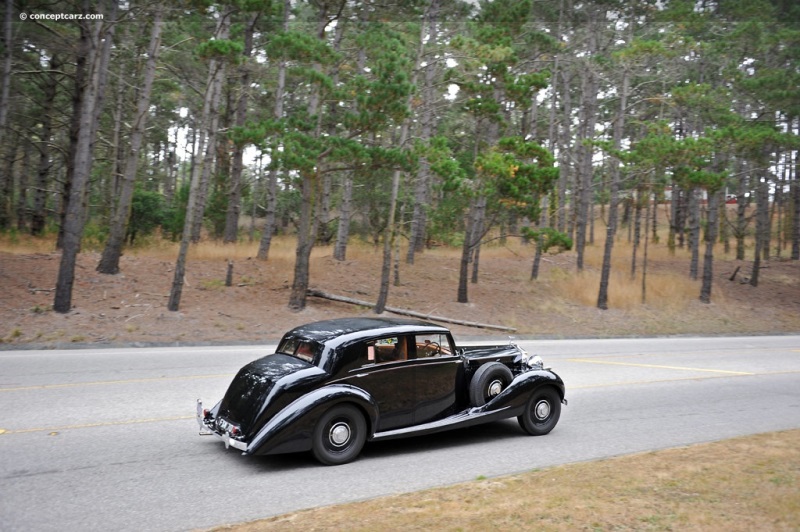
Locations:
(516, 394)
(290, 430)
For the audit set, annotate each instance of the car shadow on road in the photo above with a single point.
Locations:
(498, 430)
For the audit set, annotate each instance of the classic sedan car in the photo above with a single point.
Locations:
(333, 385)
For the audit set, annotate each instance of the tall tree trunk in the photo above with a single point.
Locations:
(5, 76)
(724, 223)
(564, 163)
(537, 257)
(588, 120)
(272, 183)
(796, 211)
(7, 179)
(708, 258)
(345, 212)
(210, 121)
(638, 198)
(324, 234)
(5, 91)
(389, 232)
(80, 76)
(176, 291)
(50, 90)
(83, 73)
(416, 241)
(269, 222)
(478, 233)
(742, 201)
(613, 208)
(694, 232)
(681, 201)
(305, 242)
(23, 185)
(346, 203)
(646, 243)
(75, 212)
(114, 185)
(109, 261)
(235, 183)
(472, 238)
(307, 229)
(762, 228)
(419, 216)
(205, 166)
(466, 253)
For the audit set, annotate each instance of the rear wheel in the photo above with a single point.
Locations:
(489, 380)
(541, 413)
(339, 435)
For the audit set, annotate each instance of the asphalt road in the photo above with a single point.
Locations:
(106, 439)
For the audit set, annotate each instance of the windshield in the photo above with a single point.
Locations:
(303, 349)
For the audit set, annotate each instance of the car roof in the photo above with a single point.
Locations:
(322, 331)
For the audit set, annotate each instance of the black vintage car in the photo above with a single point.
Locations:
(333, 385)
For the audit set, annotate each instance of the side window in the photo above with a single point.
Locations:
(432, 345)
(293, 346)
(387, 350)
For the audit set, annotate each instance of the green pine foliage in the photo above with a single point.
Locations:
(712, 103)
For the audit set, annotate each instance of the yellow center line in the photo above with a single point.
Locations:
(657, 366)
(103, 383)
(94, 425)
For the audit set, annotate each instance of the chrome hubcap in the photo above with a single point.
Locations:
(339, 434)
(495, 388)
(541, 410)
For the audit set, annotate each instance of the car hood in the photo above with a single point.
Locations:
(257, 383)
(491, 351)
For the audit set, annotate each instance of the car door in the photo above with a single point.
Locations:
(436, 372)
(387, 374)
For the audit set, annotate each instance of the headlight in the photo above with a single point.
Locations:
(535, 362)
(532, 361)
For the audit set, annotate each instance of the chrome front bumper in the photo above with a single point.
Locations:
(207, 429)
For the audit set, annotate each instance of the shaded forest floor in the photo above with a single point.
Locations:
(130, 307)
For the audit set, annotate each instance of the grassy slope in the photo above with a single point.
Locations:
(750, 483)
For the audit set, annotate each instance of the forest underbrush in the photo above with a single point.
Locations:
(130, 307)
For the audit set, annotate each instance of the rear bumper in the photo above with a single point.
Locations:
(208, 428)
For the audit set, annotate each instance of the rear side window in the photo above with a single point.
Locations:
(387, 350)
(298, 348)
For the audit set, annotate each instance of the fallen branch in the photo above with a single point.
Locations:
(403, 312)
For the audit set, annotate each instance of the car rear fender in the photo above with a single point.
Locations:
(516, 394)
(291, 429)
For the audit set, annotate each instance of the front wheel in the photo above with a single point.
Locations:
(541, 412)
(339, 435)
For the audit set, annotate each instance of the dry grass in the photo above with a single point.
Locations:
(745, 484)
(282, 250)
(24, 244)
(664, 291)
(561, 303)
